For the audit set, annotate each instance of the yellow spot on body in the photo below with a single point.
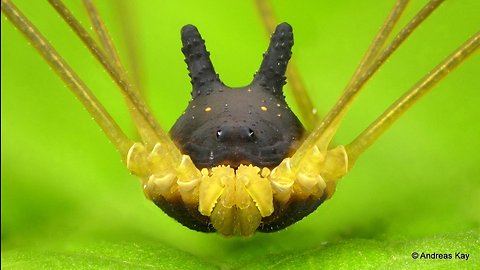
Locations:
(249, 90)
(263, 108)
(208, 109)
(278, 104)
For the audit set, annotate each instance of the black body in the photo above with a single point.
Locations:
(233, 126)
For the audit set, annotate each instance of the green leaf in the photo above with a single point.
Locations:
(68, 202)
(345, 254)
(106, 255)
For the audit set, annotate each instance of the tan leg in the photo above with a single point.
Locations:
(106, 40)
(314, 169)
(71, 79)
(379, 40)
(127, 18)
(324, 132)
(164, 172)
(148, 127)
(146, 133)
(396, 110)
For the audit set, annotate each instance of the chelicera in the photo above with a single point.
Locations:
(238, 160)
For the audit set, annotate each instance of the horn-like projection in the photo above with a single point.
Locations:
(271, 74)
(202, 73)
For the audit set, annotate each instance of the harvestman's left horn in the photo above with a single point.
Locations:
(202, 73)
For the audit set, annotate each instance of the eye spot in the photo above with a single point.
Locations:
(263, 108)
(208, 109)
(219, 133)
(251, 133)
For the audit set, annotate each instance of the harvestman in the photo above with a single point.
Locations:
(237, 195)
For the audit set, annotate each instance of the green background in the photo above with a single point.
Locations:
(68, 202)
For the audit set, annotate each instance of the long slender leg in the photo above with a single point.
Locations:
(78, 87)
(308, 111)
(106, 41)
(396, 110)
(323, 133)
(102, 33)
(315, 169)
(147, 134)
(121, 80)
(126, 17)
(379, 40)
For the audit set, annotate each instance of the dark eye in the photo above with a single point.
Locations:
(251, 133)
(219, 133)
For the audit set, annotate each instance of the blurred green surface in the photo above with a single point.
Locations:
(68, 202)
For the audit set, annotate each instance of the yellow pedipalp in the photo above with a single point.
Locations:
(258, 188)
(248, 221)
(236, 200)
(212, 187)
(223, 219)
(226, 197)
(242, 199)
